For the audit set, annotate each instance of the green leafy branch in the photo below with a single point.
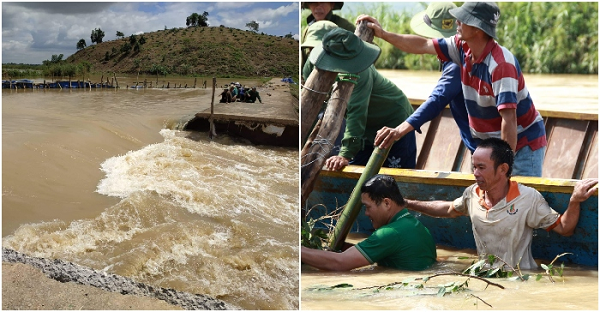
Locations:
(551, 270)
(485, 268)
(315, 237)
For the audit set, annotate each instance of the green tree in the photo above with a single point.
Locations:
(203, 19)
(252, 26)
(196, 19)
(289, 36)
(97, 35)
(120, 35)
(81, 44)
(125, 48)
(192, 20)
(132, 40)
(69, 70)
(142, 39)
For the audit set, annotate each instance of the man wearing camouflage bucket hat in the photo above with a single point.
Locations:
(498, 102)
(375, 101)
(313, 35)
(436, 22)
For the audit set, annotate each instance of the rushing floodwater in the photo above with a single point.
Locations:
(100, 178)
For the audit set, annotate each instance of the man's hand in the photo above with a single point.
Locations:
(336, 163)
(386, 137)
(371, 23)
(583, 190)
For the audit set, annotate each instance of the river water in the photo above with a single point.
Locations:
(101, 178)
(573, 93)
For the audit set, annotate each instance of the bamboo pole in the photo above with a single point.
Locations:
(212, 132)
(352, 207)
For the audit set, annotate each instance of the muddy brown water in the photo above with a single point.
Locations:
(101, 178)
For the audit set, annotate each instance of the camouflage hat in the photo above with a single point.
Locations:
(436, 21)
(315, 32)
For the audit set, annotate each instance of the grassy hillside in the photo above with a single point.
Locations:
(197, 51)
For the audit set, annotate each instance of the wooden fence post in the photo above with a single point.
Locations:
(213, 132)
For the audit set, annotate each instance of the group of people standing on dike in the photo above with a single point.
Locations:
(484, 87)
(238, 93)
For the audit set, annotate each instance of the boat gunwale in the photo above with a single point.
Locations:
(451, 178)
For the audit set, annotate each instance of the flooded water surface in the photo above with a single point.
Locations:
(578, 290)
(102, 178)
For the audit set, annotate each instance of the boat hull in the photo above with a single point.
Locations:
(333, 189)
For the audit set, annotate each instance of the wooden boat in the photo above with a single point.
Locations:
(444, 171)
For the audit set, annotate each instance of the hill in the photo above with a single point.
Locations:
(198, 51)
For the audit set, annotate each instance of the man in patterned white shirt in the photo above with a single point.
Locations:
(504, 213)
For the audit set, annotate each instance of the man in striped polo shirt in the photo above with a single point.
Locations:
(497, 100)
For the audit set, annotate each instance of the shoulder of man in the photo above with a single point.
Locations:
(342, 22)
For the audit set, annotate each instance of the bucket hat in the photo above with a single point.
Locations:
(482, 15)
(436, 21)
(343, 52)
(315, 32)
(336, 5)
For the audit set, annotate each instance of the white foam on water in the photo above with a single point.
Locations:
(199, 216)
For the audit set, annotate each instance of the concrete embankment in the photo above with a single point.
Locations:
(70, 273)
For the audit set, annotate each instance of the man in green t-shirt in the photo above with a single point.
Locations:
(400, 241)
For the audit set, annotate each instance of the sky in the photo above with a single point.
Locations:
(34, 31)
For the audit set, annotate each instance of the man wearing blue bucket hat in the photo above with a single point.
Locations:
(497, 100)
(436, 22)
(375, 102)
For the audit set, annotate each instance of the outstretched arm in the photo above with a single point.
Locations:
(333, 261)
(407, 43)
(436, 208)
(583, 190)
(386, 136)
